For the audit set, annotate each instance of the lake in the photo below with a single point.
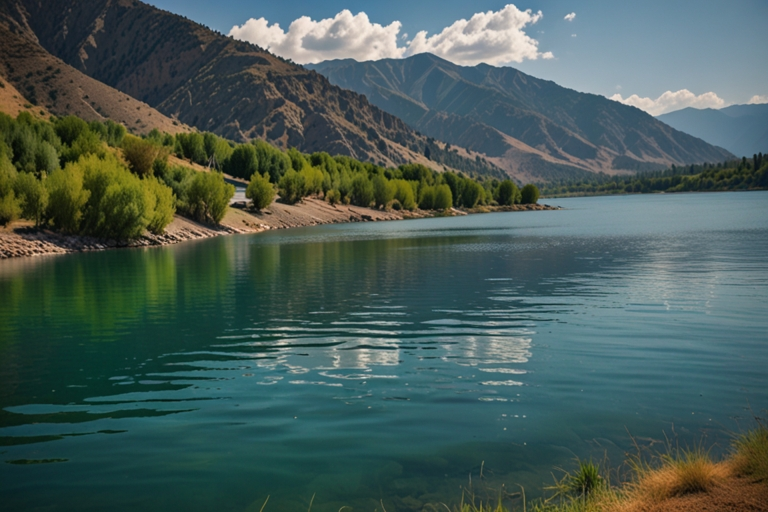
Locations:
(384, 364)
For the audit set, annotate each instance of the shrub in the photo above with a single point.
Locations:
(291, 187)
(383, 190)
(260, 191)
(362, 191)
(164, 205)
(141, 155)
(313, 180)
(208, 197)
(66, 198)
(9, 208)
(87, 143)
(69, 128)
(506, 193)
(32, 196)
(333, 197)
(529, 194)
(443, 199)
(243, 162)
(404, 194)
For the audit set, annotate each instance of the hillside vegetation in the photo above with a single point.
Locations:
(744, 174)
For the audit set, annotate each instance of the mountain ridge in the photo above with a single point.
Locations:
(741, 129)
(579, 130)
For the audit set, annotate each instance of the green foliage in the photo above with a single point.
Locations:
(472, 194)
(383, 190)
(208, 196)
(417, 172)
(87, 143)
(163, 205)
(66, 198)
(313, 180)
(529, 194)
(506, 194)
(260, 191)
(141, 154)
(243, 162)
(404, 194)
(443, 198)
(362, 191)
(333, 197)
(10, 209)
(192, 147)
(291, 187)
(298, 162)
(271, 160)
(751, 458)
(32, 196)
(69, 128)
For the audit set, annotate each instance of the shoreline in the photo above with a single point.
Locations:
(21, 239)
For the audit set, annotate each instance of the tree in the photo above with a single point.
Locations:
(141, 154)
(192, 147)
(362, 191)
(404, 194)
(9, 205)
(443, 198)
(260, 191)
(163, 204)
(291, 187)
(208, 197)
(333, 197)
(69, 128)
(383, 190)
(472, 194)
(66, 198)
(243, 162)
(530, 194)
(32, 196)
(87, 143)
(506, 193)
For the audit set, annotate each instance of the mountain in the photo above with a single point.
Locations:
(215, 83)
(36, 81)
(741, 129)
(530, 127)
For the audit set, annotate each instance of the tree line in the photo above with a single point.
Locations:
(96, 179)
(744, 174)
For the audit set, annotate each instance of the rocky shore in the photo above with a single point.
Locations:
(21, 239)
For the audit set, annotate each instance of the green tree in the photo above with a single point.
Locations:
(333, 197)
(141, 154)
(529, 194)
(506, 193)
(192, 147)
(87, 143)
(163, 205)
(243, 162)
(69, 128)
(362, 191)
(313, 180)
(271, 160)
(404, 194)
(66, 198)
(383, 190)
(291, 187)
(472, 194)
(32, 196)
(443, 198)
(10, 209)
(208, 197)
(260, 191)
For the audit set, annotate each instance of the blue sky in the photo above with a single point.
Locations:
(670, 54)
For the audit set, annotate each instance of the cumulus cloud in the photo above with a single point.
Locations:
(756, 99)
(343, 36)
(570, 17)
(670, 101)
(493, 37)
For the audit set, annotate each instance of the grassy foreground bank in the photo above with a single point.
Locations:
(678, 480)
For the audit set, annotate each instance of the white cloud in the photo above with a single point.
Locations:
(754, 100)
(570, 17)
(670, 101)
(343, 36)
(573, 35)
(493, 37)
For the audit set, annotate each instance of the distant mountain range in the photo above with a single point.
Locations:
(741, 129)
(530, 127)
(147, 68)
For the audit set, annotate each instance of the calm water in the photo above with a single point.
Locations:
(387, 361)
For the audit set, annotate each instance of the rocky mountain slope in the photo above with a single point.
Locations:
(528, 126)
(741, 129)
(218, 84)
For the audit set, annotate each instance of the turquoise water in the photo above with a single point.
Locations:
(381, 363)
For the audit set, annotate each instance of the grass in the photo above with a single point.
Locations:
(751, 454)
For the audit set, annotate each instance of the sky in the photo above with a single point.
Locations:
(658, 55)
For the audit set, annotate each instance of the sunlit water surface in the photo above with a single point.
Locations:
(381, 363)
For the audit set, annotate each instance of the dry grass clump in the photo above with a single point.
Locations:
(680, 472)
(751, 456)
